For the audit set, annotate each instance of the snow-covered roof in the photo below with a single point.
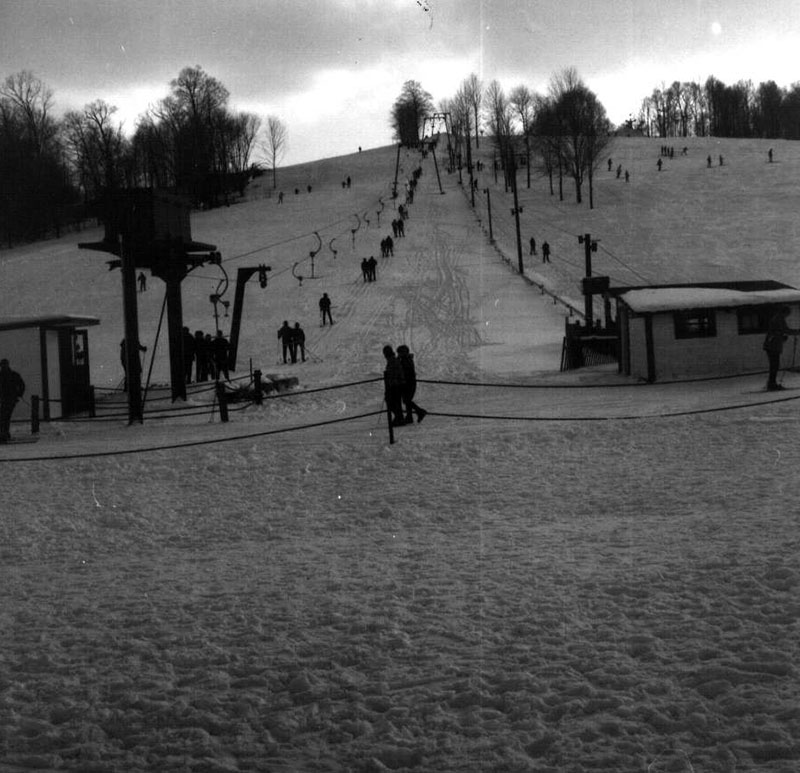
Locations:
(655, 299)
(48, 321)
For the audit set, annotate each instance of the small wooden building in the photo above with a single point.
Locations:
(706, 329)
(51, 353)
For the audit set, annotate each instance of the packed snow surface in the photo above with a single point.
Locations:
(554, 572)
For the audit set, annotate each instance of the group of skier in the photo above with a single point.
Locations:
(400, 386)
(293, 342)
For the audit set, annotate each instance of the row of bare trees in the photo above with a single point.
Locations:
(190, 142)
(687, 109)
(562, 134)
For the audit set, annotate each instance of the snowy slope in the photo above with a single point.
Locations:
(521, 592)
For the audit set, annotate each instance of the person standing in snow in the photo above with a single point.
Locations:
(777, 333)
(123, 356)
(325, 309)
(393, 384)
(409, 385)
(545, 253)
(220, 351)
(285, 336)
(12, 387)
(298, 342)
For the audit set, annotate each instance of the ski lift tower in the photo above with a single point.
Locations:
(436, 119)
(150, 229)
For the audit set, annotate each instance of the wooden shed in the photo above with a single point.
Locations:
(51, 353)
(692, 330)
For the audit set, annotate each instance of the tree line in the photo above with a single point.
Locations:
(563, 134)
(54, 171)
(714, 109)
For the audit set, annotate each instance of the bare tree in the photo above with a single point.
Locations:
(31, 100)
(97, 147)
(499, 119)
(409, 112)
(472, 89)
(584, 127)
(522, 101)
(274, 144)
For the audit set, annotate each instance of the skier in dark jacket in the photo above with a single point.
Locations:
(777, 332)
(220, 350)
(298, 342)
(393, 382)
(286, 335)
(409, 385)
(12, 387)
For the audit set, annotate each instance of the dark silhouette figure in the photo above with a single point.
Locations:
(285, 335)
(298, 342)
(610, 164)
(211, 361)
(325, 309)
(372, 268)
(189, 351)
(708, 160)
(409, 385)
(393, 383)
(280, 198)
(627, 176)
(777, 333)
(220, 352)
(142, 282)
(658, 164)
(545, 253)
(365, 270)
(200, 356)
(123, 355)
(533, 246)
(770, 155)
(12, 387)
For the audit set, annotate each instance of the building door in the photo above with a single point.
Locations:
(75, 384)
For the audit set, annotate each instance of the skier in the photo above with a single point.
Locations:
(123, 355)
(409, 385)
(285, 337)
(777, 332)
(298, 342)
(393, 383)
(325, 308)
(220, 350)
(12, 387)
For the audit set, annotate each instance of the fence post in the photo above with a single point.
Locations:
(257, 385)
(223, 402)
(92, 403)
(34, 414)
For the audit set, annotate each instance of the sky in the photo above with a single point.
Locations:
(331, 69)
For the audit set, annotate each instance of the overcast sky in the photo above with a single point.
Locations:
(331, 69)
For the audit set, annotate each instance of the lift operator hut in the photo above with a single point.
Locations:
(691, 330)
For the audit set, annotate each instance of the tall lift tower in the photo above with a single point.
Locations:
(150, 229)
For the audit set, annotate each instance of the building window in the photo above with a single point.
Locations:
(695, 323)
(753, 319)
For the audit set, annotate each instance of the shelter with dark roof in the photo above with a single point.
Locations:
(704, 329)
(51, 353)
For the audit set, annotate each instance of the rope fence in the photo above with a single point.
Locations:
(298, 395)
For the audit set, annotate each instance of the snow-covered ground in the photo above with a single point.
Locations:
(554, 572)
